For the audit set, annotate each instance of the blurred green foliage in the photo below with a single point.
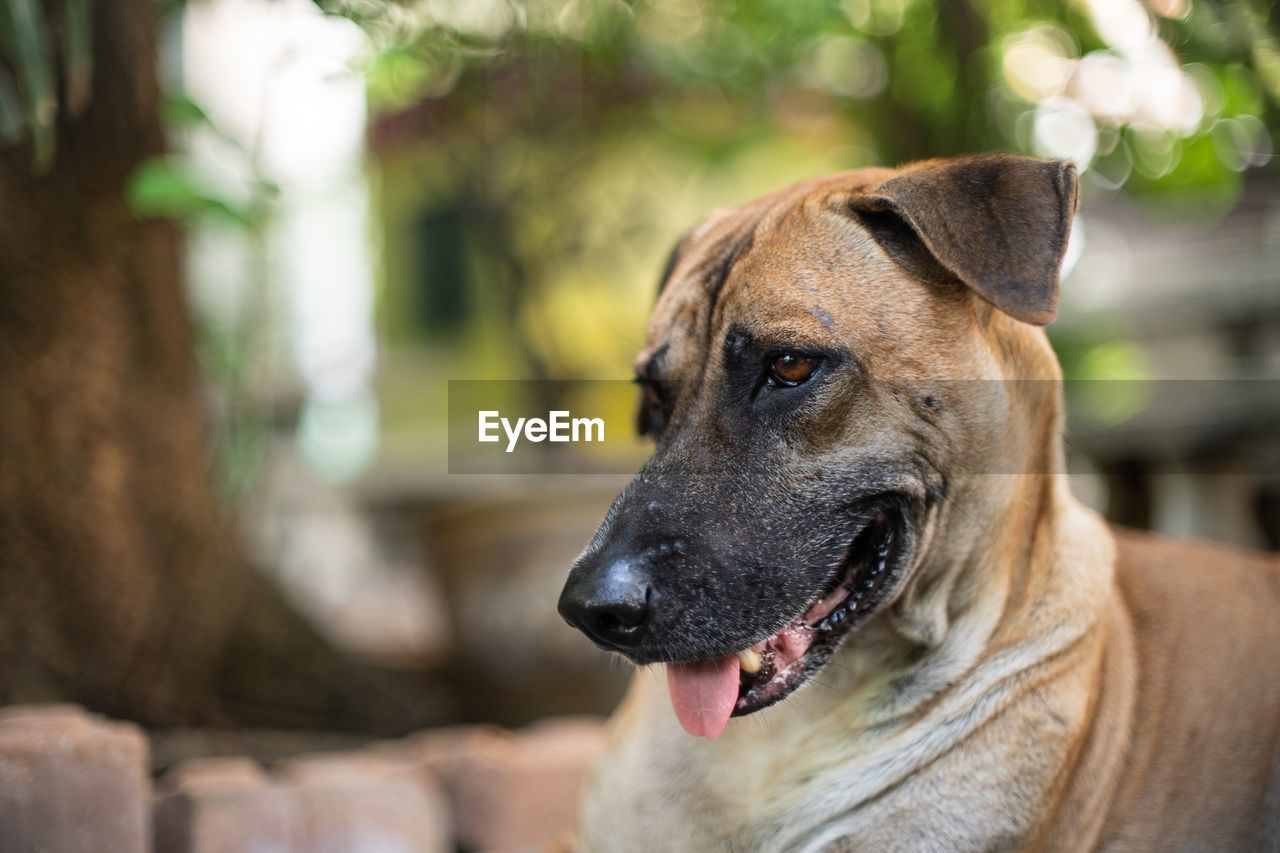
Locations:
(165, 187)
(906, 78)
(170, 186)
(577, 140)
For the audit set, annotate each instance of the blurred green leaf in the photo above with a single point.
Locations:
(179, 112)
(163, 188)
(24, 42)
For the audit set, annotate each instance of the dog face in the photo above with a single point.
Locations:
(806, 440)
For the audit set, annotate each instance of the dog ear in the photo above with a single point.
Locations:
(997, 222)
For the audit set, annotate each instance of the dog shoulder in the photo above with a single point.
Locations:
(1166, 580)
(1207, 688)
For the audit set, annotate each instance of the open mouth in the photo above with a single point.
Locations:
(706, 693)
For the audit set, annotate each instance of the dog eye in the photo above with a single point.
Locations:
(791, 369)
(652, 413)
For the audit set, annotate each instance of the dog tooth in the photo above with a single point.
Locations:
(750, 660)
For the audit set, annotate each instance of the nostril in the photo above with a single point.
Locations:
(607, 622)
(610, 606)
(621, 618)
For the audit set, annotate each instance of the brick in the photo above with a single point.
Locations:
(71, 781)
(510, 792)
(220, 805)
(333, 803)
(366, 801)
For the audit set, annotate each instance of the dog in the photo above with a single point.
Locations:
(867, 610)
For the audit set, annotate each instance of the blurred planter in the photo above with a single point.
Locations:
(501, 552)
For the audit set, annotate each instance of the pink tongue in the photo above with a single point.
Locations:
(704, 693)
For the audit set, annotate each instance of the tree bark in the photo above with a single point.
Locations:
(120, 586)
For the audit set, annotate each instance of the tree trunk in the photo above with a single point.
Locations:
(119, 585)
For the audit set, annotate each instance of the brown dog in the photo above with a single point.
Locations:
(859, 490)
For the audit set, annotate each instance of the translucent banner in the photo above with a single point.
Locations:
(589, 426)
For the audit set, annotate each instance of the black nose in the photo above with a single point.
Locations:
(609, 604)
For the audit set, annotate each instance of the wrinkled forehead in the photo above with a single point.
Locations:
(736, 240)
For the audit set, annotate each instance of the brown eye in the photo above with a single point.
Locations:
(791, 369)
(651, 394)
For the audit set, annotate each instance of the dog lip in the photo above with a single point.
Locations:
(856, 589)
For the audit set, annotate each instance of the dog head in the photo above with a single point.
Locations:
(825, 370)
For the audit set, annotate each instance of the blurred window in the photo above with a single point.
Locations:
(443, 278)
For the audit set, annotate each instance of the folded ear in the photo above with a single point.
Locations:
(998, 222)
